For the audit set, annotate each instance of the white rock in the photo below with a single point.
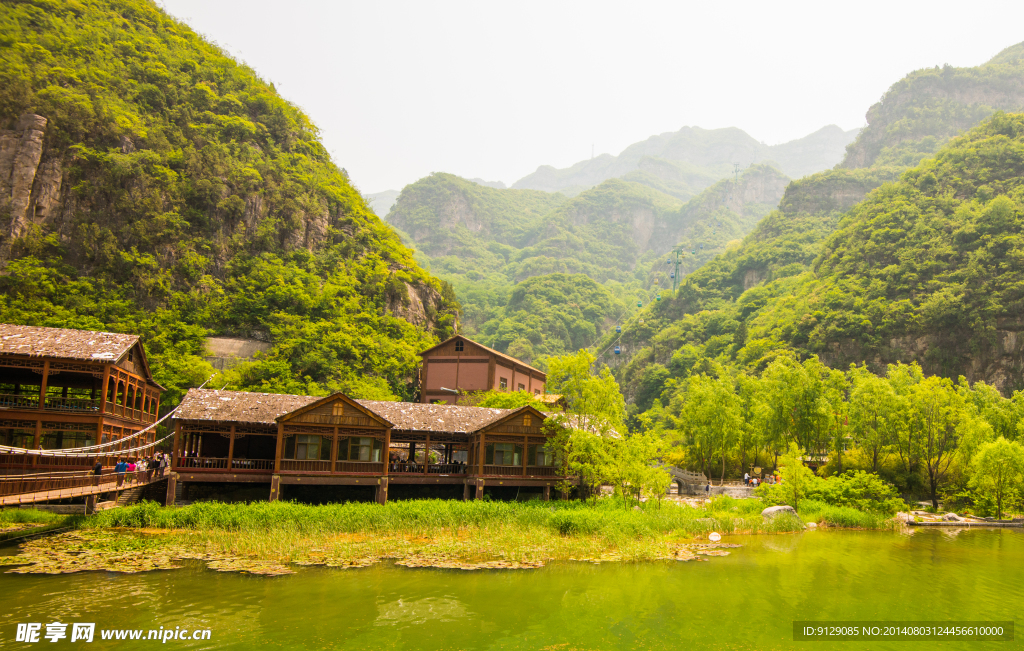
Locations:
(773, 511)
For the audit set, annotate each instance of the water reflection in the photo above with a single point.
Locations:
(744, 601)
(419, 611)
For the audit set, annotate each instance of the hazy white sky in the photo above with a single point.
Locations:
(494, 89)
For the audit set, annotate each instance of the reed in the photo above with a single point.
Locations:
(843, 516)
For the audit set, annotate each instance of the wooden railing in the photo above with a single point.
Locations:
(517, 471)
(252, 464)
(203, 463)
(370, 467)
(51, 484)
(295, 465)
(59, 403)
(19, 401)
(403, 468)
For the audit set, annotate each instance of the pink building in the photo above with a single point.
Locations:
(461, 365)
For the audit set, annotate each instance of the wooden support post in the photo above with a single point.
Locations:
(482, 452)
(547, 492)
(526, 453)
(175, 448)
(90, 504)
(479, 489)
(35, 440)
(465, 491)
(103, 395)
(42, 385)
(277, 459)
(382, 490)
(275, 488)
(231, 447)
(334, 450)
(387, 450)
(172, 486)
(426, 455)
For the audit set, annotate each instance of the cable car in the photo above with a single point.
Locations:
(672, 274)
(656, 281)
(669, 261)
(641, 321)
(618, 351)
(639, 303)
(658, 298)
(618, 329)
(702, 247)
(694, 252)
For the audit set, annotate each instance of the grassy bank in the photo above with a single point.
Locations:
(843, 516)
(271, 538)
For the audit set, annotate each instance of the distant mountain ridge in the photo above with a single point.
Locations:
(684, 162)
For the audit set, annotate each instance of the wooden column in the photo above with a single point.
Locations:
(35, 440)
(334, 450)
(231, 446)
(547, 492)
(513, 387)
(483, 453)
(175, 449)
(172, 484)
(382, 490)
(277, 460)
(103, 394)
(526, 449)
(426, 455)
(275, 488)
(387, 450)
(42, 384)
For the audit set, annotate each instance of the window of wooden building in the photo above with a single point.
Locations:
(537, 455)
(503, 454)
(504, 383)
(360, 448)
(308, 447)
(459, 346)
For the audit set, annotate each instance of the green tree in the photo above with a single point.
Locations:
(709, 419)
(797, 479)
(998, 468)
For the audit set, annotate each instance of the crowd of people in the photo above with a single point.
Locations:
(767, 478)
(146, 468)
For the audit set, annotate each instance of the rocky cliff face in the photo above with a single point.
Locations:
(928, 107)
(30, 187)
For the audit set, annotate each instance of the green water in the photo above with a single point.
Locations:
(744, 601)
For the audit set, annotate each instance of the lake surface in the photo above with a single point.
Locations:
(747, 600)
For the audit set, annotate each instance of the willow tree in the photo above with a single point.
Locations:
(710, 419)
(997, 470)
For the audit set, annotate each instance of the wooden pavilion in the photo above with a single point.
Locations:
(235, 436)
(63, 388)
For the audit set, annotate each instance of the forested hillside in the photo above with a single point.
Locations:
(922, 111)
(716, 304)
(151, 184)
(487, 242)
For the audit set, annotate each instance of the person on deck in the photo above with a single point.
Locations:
(120, 468)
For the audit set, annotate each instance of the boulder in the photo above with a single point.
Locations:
(952, 517)
(773, 511)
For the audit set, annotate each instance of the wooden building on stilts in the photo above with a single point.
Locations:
(282, 440)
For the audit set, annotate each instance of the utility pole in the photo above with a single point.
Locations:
(678, 254)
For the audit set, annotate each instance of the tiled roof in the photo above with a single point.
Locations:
(238, 406)
(64, 343)
(423, 417)
(265, 408)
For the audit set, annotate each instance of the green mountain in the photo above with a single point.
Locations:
(685, 162)
(487, 242)
(921, 112)
(151, 184)
(720, 311)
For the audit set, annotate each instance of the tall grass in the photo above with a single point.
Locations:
(428, 517)
(28, 516)
(843, 516)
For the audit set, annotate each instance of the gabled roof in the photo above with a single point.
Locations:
(267, 408)
(422, 417)
(64, 343)
(512, 413)
(239, 406)
(334, 398)
(503, 356)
